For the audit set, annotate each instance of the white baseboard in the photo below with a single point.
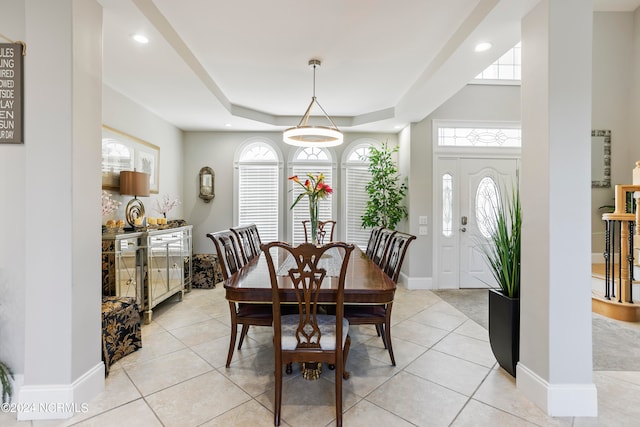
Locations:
(557, 400)
(414, 283)
(58, 401)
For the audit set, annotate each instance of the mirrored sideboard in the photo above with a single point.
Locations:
(150, 266)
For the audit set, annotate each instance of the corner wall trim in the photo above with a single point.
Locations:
(413, 283)
(58, 401)
(558, 400)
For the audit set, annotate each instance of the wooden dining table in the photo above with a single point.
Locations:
(365, 282)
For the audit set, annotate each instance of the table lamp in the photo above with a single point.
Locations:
(134, 184)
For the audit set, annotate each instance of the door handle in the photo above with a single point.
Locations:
(463, 220)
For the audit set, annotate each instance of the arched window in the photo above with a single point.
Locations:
(356, 176)
(315, 161)
(259, 189)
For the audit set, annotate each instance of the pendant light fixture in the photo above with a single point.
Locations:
(305, 135)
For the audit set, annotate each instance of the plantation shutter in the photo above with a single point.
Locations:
(258, 199)
(301, 211)
(356, 203)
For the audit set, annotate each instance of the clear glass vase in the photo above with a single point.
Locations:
(313, 216)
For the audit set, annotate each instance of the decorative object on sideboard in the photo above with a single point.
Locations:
(109, 205)
(207, 183)
(134, 184)
(305, 135)
(165, 204)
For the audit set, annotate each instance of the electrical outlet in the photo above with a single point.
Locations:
(423, 230)
(423, 220)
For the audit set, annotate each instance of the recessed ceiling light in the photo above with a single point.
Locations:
(481, 47)
(140, 38)
(228, 125)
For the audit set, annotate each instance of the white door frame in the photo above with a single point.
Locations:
(447, 159)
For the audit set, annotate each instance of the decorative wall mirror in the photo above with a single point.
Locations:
(207, 184)
(601, 158)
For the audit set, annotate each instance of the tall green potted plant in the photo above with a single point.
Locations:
(5, 381)
(384, 207)
(503, 257)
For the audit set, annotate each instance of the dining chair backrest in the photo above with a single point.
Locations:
(382, 245)
(308, 278)
(397, 248)
(373, 239)
(325, 231)
(248, 240)
(309, 336)
(227, 250)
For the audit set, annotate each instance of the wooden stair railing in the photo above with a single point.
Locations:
(622, 233)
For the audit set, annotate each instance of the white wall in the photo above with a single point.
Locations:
(121, 113)
(613, 100)
(62, 257)
(217, 150)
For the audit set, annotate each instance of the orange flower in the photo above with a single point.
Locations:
(314, 187)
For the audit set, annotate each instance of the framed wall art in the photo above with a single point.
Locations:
(123, 152)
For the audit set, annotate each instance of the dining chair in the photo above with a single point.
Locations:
(243, 314)
(325, 231)
(309, 335)
(249, 241)
(381, 245)
(397, 249)
(373, 239)
(380, 315)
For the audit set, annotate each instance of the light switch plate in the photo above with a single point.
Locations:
(423, 230)
(423, 220)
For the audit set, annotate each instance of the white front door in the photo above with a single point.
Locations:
(466, 185)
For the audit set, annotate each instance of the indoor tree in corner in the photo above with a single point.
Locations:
(384, 207)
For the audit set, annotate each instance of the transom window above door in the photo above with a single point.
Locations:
(479, 137)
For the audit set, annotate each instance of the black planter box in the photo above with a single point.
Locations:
(504, 329)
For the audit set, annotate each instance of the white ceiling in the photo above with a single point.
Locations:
(242, 64)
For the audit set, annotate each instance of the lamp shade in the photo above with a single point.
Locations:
(134, 183)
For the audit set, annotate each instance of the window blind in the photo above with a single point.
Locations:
(258, 199)
(357, 178)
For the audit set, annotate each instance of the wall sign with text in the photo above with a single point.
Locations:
(11, 91)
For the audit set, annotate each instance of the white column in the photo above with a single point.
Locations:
(555, 368)
(63, 85)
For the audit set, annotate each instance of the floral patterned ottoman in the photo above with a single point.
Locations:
(206, 271)
(121, 334)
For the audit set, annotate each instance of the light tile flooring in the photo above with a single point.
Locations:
(446, 375)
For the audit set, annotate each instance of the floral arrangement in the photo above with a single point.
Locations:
(314, 187)
(165, 204)
(108, 204)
